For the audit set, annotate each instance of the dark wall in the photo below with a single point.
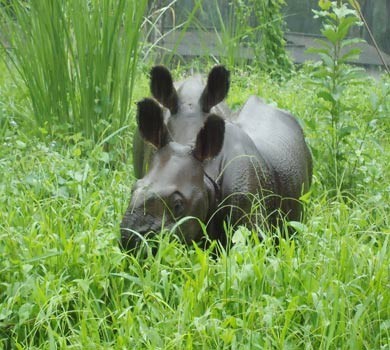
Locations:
(299, 18)
(377, 15)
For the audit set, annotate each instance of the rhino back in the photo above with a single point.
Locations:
(280, 141)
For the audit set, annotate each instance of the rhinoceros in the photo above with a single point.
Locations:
(216, 170)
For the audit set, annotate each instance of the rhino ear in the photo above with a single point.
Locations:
(210, 138)
(162, 88)
(217, 87)
(151, 124)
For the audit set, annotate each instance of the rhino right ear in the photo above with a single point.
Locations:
(216, 89)
(162, 88)
(151, 124)
(210, 138)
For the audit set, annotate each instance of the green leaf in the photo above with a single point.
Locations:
(343, 11)
(355, 73)
(328, 60)
(345, 26)
(331, 34)
(326, 96)
(20, 144)
(25, 312)
(104, 157)
(305, 198)
(346, 131)
(351, 55)
(300, 227)
(352, 41)
(324, 4)
(240, 236)
(4, 312)
(323, 43)
(320, 14)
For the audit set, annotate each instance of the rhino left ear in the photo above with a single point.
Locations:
(210, 138)
(162, 88)
(217, 87)
(151, 124)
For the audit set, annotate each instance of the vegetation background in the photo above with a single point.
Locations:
(71, 71)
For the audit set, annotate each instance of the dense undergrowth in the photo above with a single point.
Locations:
(64, 283)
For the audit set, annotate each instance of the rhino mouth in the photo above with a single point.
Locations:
(131, 240)
(136, 229)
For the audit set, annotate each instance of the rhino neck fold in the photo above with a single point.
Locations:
(214, 194)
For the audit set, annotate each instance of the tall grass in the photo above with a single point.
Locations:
(64, 283)
(78, 60)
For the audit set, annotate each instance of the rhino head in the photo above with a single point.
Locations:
(175, 185)
(185, 105)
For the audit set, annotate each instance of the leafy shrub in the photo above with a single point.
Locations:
(332, 77)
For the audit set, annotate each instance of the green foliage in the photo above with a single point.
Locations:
(252, 29)
(64, 283)
(78, 60)
(272, 53)
(332, 77)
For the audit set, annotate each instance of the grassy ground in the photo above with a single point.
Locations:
(64, 283)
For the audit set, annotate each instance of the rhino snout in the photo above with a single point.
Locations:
(136, 226)
(129, 239)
